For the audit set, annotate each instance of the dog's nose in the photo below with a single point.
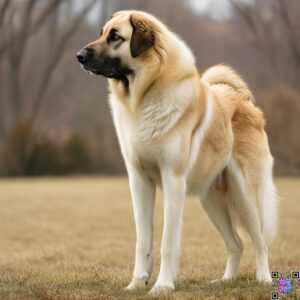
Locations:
(84, 55)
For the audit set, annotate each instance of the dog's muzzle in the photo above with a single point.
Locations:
(84, 55)
(91, 61)
(102, 64)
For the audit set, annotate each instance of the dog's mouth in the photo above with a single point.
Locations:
(87, 70)
(98, 71)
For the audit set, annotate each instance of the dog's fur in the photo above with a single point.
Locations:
(186, 133)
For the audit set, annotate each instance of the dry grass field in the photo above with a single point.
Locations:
(73, 238)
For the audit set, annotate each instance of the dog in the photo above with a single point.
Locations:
(187, 134)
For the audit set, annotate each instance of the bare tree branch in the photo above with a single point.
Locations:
(3, 9)
(34, 27)
(20, 44)
(268, 41)
(16, 47)
(2, 103)
(290, 30)
(16, 54)
(29, 21)
(53, 28)
(55, 58)
(250, 16)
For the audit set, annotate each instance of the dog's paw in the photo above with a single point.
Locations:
(264, 278)
(223, 279)
(162, 288)
(136, 284)
(218, 280)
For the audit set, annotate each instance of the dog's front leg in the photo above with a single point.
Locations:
(174, 194)
(143, 194)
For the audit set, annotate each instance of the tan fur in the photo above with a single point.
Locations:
(188, 134)
(223, 74)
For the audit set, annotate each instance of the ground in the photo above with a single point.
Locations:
(73, 238)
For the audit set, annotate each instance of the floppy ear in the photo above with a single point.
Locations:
(142, 36)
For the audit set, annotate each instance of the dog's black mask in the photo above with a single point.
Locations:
(110, 67)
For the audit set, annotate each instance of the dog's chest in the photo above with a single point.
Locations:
(144, 148)
(148, 136)
(144, 137)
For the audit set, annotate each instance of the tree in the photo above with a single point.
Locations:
(19, 22)
(274, 25)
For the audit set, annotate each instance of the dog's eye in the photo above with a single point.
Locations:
(113, 36)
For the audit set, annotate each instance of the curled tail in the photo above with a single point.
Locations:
(223, 74)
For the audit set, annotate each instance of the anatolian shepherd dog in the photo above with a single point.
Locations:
(189, 134)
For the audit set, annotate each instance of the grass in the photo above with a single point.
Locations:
(73, 238)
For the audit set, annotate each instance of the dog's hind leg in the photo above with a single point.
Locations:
(245, 197)
(216, 204)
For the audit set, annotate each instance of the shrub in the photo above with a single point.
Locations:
(27, 153)
(282, 111)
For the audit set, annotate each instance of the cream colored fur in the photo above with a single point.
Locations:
(189, 134)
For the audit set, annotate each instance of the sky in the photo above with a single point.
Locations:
(217, 9)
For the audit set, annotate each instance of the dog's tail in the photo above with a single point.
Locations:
(269, 202)
(223, 74)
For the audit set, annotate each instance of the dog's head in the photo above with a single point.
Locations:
(126, 41)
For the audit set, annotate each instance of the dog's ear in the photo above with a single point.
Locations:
(142, 36)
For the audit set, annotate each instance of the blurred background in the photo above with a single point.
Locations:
(54, 118)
